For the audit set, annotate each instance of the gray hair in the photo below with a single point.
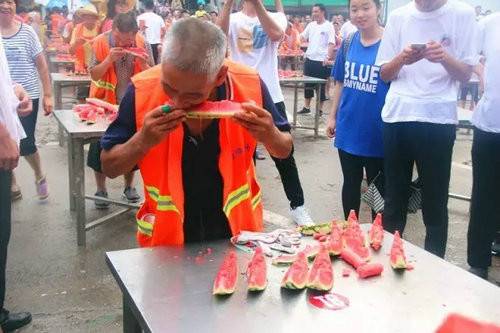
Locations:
(196, 46)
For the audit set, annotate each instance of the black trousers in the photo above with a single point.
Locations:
(430, 146)
(154, 49)
(352, 170)
(315, 69)
(485, 204)
(289, 174)
(5, 205)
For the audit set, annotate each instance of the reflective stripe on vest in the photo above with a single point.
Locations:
(163, 202)
(236, 197)
(104, 85)
(256, 200)
(145, 227)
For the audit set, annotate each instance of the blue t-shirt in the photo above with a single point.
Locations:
(359, 122)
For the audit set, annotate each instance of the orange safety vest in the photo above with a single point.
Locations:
(161, 167)
(105, 87)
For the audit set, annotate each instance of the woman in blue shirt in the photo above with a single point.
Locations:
(359, 96)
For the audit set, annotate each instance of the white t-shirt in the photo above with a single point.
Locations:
(486, 117)
(250, 45)
(318, 36)
(8, 101)
(347, 29)
(424, 91)
(154, 24)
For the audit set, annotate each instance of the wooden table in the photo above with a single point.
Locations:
(78, 135)
(166, 290)
(301, 81)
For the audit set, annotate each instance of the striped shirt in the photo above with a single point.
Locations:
(21, 50)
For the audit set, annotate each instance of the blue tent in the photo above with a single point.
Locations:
(57, 3)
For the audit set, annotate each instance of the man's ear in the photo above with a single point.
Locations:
(221, 76)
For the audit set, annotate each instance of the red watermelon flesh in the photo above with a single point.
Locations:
(398, 258)
(103, 104)
(211, 110)
(257, 272)
(335, 242)
(352, 216)
(227, 276)
(296, 276)
(352, 258)
(369, 270)
(137, 51)
(321, 273)
(376, 234)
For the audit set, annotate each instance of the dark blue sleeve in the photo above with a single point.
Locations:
(338, 71)
(123, 128)
(279, 116)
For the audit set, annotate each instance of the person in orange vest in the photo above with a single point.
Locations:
(111, 69)
(80, 45)
(199, 174)
(290, 43)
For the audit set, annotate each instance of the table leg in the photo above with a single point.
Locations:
(71, 176)
(130, 323)
(79, 189)
(58, 106)
(316, 114)
(295, 102)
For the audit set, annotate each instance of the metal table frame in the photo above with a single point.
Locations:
(77, 138)
(164, 287)
(301, 81)
(54, 64)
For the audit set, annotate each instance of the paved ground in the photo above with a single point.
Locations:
(69, 289)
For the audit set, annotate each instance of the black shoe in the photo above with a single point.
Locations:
(12, 321)
(495, 248)
(481, 272)
(304, 111)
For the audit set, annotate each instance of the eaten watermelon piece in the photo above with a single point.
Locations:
(321, 273)
(335, 242)
(212, 110)
(352, 258)
(103, 104)
(296, 276)
(227, 276)
(288, 259)
(137, 52)
(376, 234)
(368, 270)
(257, 272)
(398, 257)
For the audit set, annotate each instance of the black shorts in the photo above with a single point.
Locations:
(94, 157)
(473, 88)
(315, 69)
(28, 145)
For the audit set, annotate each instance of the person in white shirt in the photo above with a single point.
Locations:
(254, 35)
(321, 37)
(153, 27)
(484, 212)
(347, 29)
(427, 49)
(14, 102)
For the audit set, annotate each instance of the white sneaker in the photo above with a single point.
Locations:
(300, 216)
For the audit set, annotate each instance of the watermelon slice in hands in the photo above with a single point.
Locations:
(296, 276)
(212, 110)
(321, 273)
(257, 272)
(227, 277)
(398, 257)
(376, 234)
(137, 52)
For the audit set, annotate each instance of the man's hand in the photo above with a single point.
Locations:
(331, 128)
(410, 56)
(25, 105)
(48, 104)
(158, 124)
(257, 121)
(116, 53)
(435, 52)
(9, 154)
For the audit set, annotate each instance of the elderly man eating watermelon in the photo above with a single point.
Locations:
(191, 124)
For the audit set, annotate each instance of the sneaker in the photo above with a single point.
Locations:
(300, 216)
(15, 193)
(259, 155)
(480, 272)
(304, 111)
(42, 188)
(10, 322)
(130, 194)
(101, 204)
(495, 248)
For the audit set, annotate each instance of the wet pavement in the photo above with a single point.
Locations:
(70, 289)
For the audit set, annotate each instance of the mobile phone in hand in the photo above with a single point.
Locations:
(418, 47)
